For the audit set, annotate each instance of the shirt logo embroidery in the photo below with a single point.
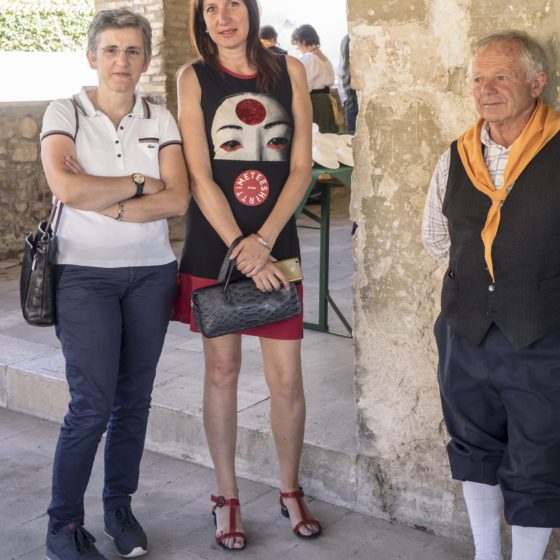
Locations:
(251, 188)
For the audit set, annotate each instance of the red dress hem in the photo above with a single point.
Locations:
(288, 329)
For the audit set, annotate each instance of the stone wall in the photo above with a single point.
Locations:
(23, 198)
(409, 61)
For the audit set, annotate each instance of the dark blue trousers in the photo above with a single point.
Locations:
(502, 410)
(111, 323)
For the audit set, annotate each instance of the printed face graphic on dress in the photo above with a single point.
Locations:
(251, 127)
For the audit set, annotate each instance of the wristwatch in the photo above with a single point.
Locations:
(139, 180)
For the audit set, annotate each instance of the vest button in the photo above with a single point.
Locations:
(491, 288)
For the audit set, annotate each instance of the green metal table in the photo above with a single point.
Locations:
(325, 179)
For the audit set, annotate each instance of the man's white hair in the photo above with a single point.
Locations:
(532, 54)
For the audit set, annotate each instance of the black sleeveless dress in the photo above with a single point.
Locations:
(249, 137)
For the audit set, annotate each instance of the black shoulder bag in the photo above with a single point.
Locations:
(37, 277)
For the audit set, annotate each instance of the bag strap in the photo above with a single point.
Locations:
(56, 208)
(227, 265)
(76, 106)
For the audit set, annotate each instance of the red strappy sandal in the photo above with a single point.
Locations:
(305, 520)
(233, 504)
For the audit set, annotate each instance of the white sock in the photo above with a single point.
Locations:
(485, 504)
(529, 543)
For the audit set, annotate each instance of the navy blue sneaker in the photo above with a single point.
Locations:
(124, 530)
(72, 542)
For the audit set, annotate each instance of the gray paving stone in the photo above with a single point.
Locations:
(39, 395)
(173, 504)
(14, 350)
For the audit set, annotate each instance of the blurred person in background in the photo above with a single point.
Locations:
(320, 76)
(269, 39)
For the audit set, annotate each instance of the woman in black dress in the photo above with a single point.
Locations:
(245, 116)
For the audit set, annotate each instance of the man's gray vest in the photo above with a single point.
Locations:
(524, 300)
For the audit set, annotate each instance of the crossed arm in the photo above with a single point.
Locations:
(163, 198)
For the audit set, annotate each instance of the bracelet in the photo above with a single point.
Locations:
(120, 216)
(262, 240)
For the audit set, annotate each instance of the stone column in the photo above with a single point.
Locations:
(409, 63)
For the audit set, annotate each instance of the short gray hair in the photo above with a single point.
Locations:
(119, 19)
(532, 53)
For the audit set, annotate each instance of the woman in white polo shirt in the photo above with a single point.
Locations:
(115, 161)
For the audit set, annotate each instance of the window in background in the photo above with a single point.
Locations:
(42, 48)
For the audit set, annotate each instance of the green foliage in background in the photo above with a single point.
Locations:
(44, 25)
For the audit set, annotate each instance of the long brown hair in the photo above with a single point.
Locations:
(265, 61)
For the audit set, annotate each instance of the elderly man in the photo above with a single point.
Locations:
(493, 213)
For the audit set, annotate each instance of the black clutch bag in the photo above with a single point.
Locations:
(37, 278)
(229, 307)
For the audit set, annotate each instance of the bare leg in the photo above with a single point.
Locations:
(282, 368)
(222, 357)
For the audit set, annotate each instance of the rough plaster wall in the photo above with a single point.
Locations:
(409, 65)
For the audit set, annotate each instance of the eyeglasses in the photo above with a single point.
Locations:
(132, 53)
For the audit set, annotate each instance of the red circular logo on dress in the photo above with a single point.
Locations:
(251, 188)
(250, 111)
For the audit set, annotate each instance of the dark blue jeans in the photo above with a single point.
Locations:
(111, 323)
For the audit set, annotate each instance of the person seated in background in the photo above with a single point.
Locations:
(269, 38)
(320, 76)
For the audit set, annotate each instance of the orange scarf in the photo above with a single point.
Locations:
(543, 125)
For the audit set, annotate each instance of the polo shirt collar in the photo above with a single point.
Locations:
(141, 107)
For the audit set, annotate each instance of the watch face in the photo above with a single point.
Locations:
(138, 178)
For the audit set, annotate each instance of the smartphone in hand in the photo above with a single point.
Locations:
(291, 268)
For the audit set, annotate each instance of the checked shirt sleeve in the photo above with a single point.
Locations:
(435, 233)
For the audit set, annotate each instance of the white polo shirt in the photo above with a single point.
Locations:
(91, 239)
